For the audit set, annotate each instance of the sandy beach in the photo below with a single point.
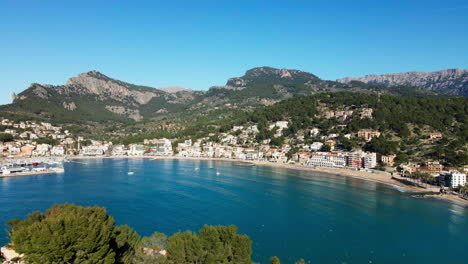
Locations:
(376, 176)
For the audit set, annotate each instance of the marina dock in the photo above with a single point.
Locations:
(31, 166)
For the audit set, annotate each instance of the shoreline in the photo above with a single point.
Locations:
(337, 172)
(446, 197)
(376, 176)
(379, 177)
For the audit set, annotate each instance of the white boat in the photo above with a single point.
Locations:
(218, 173)
(6, 171)
(130, 173)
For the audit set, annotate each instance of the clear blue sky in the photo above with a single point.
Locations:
(197, 44)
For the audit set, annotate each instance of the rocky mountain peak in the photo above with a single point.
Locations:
(87, 77)
(174, 89)
(269, 71)
(269, 74)
(94, 82)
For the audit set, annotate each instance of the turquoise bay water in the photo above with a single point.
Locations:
(289, 213)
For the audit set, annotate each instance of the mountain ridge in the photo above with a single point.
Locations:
(450, 81)
(94, 97)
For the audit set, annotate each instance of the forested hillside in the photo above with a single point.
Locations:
(404, 122)
(96, 101)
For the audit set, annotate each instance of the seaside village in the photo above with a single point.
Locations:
(39, 141)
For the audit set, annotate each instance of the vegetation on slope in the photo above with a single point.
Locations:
(403, 122)
(75, 104)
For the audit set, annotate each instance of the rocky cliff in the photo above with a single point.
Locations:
(94, 94)
(451, 81)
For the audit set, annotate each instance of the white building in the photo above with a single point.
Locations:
(10, 131)
(162, 147)
(68, 141)
(235, 128)
(369, 160)
(92, 151)
(136, 150)
(252, 154)
(208, 150)
(12, 149)
(252, 129)
(453, 179)
(41, 150)
(229, 139)
(282, 124)
(47, 126)
(327, 160)
(6, 122)
(24, 135)
(316, 146)
(57, 151)
(119, 150)
(314, 132)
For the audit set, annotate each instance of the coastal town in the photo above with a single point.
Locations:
(234, 132)
(30, 144)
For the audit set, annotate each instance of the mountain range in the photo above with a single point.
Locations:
(451, 81)
(95, 97)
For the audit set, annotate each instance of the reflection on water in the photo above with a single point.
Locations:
(290, 213)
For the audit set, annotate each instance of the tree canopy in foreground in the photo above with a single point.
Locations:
(88, 235)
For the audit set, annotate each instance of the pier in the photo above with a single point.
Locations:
(31, 166)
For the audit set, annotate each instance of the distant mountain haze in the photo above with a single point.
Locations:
(451, 81)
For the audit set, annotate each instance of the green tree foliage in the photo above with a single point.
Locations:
(157, 241)
(72, 234)
(212, 244)
(47, 140)
(5, 137)
(401, 158)
(325, 148)
(277, 141)
(86, 142)
(449, 154)
(346, 144)
(381, 145)
(127, 244)
(403, 130)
